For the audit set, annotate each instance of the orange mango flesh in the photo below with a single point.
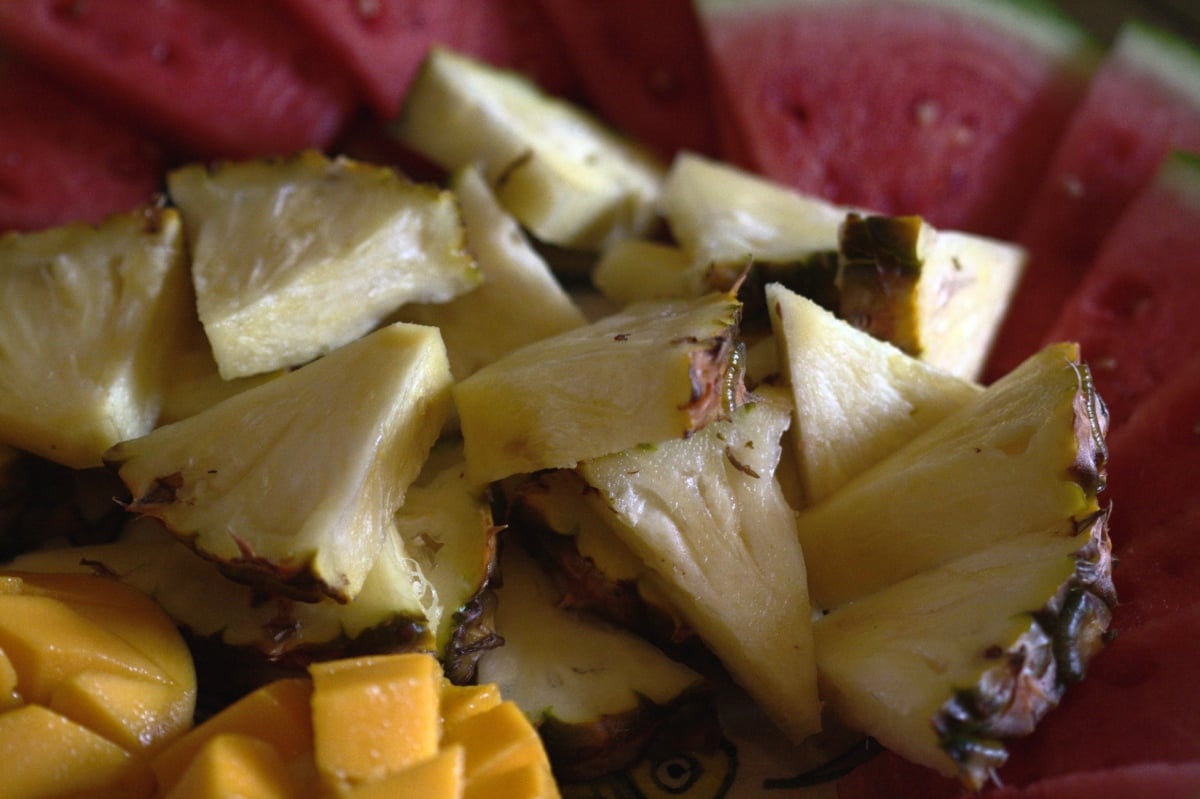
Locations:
(235, 765)
(94, 679)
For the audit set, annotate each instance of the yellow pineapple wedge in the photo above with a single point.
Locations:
(1025, 454)
(90, 319)
(651, 372)
(520, 300)
(569, 179)
(292, 258)
(708, 519)
(856, 398)
(938, 295)
(946, 665)
(362, 420)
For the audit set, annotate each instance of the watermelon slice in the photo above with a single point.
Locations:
(65, 160)
(940, 108)
(216, 77)
(383, 42)
(643, 67)
(1143, 102)
(1134, 314)
(1158, 780)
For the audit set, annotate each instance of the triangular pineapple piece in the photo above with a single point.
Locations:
(294, 483)
(565, 176)
(294, 258)
(943, 666)
(1026, 454)
(856, 398)
(707, 517)
(937, 295)
(90, 318)
(520, 300)
(652, 372)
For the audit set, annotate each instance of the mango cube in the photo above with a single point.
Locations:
(439, 776)
(232, 764)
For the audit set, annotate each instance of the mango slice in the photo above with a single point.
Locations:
(232, 764)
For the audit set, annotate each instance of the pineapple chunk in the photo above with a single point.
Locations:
(650, 373)
(520, 300)
(294, 258)
(857, 398)
(90, 318)
(226, 480)
(943, 666)
(564, 175)
(937, 295)
(1027, 453)
(708, 518)
(634, 270)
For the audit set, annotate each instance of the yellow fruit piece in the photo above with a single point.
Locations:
(235, 765)
(439, 776)
(10, 697)
(46, 755)
(497, 740)
(374, 716)
(277, 714)
(530, 781)
(461, 701)
(132, 712)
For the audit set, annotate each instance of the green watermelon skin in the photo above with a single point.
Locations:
(644, 68)
(383, 43)
(65, 160)
(214, 78)
(910, 107)
(1143, 102)
(1134, 313)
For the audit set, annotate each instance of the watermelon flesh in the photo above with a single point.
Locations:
(65, 160)
(216, 78)
(1134, 314)
(1143, 102)
(643, 68)
(383, 43)
(945, 110)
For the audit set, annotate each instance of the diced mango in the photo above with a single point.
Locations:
(374, 716)
(439, 776)
(134, 713)
(496, 741)
(533, 780)
(461, 701)
(235, 765)
(277, 713)
(10, 697)
(46, 755)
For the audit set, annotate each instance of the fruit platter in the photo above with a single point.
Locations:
(554, 398)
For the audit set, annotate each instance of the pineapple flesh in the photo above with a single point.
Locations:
(359, 423)
(937, 295)
(856, 398)
(708, 519)
(293, 258)
(652, 372)
(91, 319)
(1026, 453)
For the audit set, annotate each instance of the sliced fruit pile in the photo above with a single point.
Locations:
(617, 427)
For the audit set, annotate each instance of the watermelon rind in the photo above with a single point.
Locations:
(1174, 60)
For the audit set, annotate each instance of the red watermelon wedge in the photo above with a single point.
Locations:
(63, 159)
(1143, 102)
(1156, 780)
(383, 42)
(216, 77)
(643, 67)
(945, 109)
(1134, 314)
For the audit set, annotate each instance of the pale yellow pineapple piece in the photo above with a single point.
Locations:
(632, 270)
(652, 372)
(520, 300)
(90, 319)
(562, 173)
(226, 481)
(856, 398)
(294, 258)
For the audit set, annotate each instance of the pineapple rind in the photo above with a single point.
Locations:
(359, 422)
(292, 258)
(92, 316)
(1013, 459)
(652, 372)
(707, 517)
